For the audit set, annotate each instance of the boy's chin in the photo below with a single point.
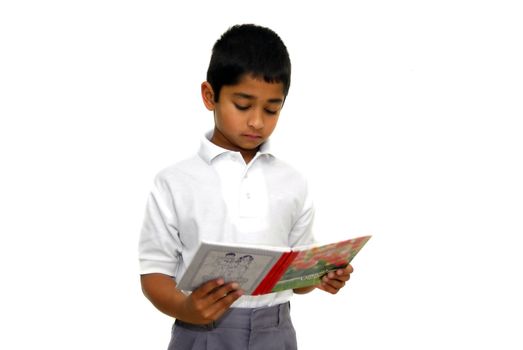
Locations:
(251, 147)
(249, 144)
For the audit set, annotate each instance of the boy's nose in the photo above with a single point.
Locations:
(256, 119)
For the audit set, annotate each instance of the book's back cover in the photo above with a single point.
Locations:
(311, 264)
(246, 265)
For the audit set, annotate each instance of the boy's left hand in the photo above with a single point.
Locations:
(335, 280)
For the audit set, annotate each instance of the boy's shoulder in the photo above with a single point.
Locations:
(286, 167)
(284, 162)
(291, 176)
(183, 170)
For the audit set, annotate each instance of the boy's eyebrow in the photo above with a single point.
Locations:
(251, 97)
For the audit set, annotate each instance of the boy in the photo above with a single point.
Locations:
(233, 190)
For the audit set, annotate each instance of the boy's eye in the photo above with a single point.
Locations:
(241, 108)
(270, 112)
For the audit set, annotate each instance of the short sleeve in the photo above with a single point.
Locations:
(159, 245)
(302, 233)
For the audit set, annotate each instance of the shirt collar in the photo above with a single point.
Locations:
(209, 151)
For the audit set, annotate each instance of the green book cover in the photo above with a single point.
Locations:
(311, 264)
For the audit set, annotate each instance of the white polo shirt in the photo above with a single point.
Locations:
(215, 196)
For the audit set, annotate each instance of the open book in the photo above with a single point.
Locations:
(261, 269)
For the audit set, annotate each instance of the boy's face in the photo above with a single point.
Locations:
(245, 115)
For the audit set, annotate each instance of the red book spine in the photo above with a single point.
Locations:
(261, 287)
(275, 273)
(283, 268)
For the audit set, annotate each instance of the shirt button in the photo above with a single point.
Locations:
(248, 195)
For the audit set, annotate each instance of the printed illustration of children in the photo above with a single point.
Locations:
(225, 266)
(242, 267)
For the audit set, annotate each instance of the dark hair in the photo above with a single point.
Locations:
(249, 49)
(245, 257)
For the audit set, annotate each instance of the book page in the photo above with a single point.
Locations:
(245, 265)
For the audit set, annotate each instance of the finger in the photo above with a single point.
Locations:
(209, 300)
(222, 305)
(327, 288)
(207, 288)
(223, 291)
(341, 274)
(340, 277)
(345, 271)
(334, 283)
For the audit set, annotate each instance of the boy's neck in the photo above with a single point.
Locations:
(248, 156)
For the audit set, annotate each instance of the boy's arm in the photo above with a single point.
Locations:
(202, 306)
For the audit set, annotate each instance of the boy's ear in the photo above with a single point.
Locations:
(208, 96)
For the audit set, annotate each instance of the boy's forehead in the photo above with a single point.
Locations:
(255, 87)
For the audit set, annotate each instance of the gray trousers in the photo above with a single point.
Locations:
(268, 328)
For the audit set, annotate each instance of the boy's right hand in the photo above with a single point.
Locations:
(210, 301)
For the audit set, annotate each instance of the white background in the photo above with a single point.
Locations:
(405, 115)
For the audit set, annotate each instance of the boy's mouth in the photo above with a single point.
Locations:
(252, 136)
